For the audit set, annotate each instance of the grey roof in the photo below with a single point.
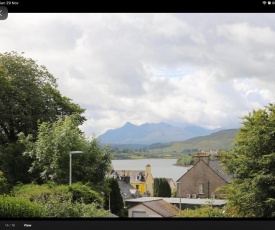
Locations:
(132, 174)
(218, 168)
(127, 188)
(176, 200)
(162, 207)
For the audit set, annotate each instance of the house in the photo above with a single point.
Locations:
(171, 183)
(203, 179)
(127, 190)
(142, 180)
(181, 203)
(153, 208)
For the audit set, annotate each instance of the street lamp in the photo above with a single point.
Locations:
(178, 189)
(109, 202)
(124, 198)
(70, 153)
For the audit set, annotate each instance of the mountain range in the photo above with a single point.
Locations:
(151, 133)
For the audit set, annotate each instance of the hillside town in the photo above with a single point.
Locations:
(198, 186)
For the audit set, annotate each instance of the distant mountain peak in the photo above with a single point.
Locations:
(150, 133)
(128, 124)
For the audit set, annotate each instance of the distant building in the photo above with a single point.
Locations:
(184, 203)
(203, 179)
(153, 208)
(142, 180)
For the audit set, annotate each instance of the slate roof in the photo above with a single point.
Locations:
(128, 189)
(132, 174)
(162, 207)
(218, 168)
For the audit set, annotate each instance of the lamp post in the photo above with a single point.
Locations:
(178, 189)
(124, 198)
(109, 202)
(70, 153)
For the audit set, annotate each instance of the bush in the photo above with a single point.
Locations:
(4, 186)
(41, 193)
(76, 200)
(204, 211)
(83, 193)
(14, 207)
(60, 207)
(31, 191)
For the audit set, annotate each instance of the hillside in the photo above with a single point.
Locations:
(222, 140)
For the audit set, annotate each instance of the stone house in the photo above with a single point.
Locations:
(153, 208)
(203, 179)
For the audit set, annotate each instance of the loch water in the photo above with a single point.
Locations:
(159, 167)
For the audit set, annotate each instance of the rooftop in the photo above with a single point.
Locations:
(176, 200)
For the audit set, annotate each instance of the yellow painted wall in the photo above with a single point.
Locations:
(141, 185)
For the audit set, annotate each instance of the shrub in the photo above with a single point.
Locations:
(14, 207)
(57, 206)
(83, 193)
(35, 192)
(4, 186)
(204, 211)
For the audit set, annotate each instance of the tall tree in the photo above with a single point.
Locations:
(50, 153)
(112, 197)
(162, 188)
(252, 164)
(28, 97)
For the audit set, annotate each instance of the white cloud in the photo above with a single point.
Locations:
(206, 69)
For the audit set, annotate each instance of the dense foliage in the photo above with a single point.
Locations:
(252, 164)
(112, 197)
(15, 207)
(28, 97)
(76, 200)
(50, 153)
(161, 188)
(28, 94)
(4, 186)
(187, 159)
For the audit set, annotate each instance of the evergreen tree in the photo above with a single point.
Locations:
(161, 188)
(116, 200)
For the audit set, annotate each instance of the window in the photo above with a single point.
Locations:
(201, 189)
(137, 186)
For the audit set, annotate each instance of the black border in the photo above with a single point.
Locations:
(138, 223)
(175, 6)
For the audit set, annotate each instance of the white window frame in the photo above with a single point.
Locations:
(201, 188)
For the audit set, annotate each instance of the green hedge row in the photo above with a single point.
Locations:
(14, 207)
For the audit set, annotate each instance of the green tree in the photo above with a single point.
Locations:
(50, 153)
(28, 94)
(28, 97)
(161, 188)
(186, 159)
(252, 164)
(113, 192)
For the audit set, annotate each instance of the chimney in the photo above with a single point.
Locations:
(126, 179)
(148, 170)
(201, 156)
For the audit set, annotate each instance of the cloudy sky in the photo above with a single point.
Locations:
(185, 68)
